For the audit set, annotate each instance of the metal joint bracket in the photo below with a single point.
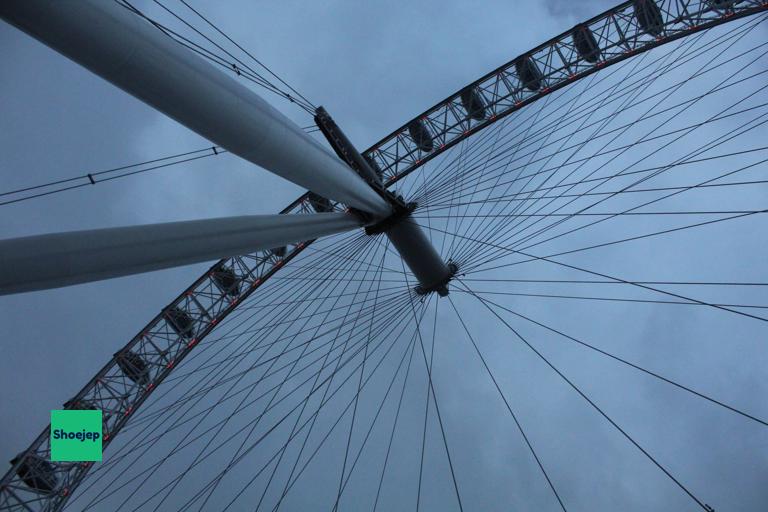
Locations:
(400, 210)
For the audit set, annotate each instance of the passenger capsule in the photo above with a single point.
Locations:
(37, 473)
(721, 4)
(80, 405)
(473, 103)
(279, 252)
(134, 367)
(585, 43)
(529, 73)
(648, 16)
(180, 321)
(420, 135)
(226, 280)
(319, 203)
(374, 165)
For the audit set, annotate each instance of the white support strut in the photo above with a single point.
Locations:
(62, 259)
(126, 50)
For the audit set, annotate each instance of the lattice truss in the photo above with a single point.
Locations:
(611, 37)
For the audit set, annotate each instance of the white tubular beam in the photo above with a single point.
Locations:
(124, 49)
(62, 259)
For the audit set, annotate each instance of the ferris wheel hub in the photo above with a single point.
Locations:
(420, 256)
(414, 247)
(405, 234)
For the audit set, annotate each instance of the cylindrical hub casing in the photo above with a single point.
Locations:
(419, 254)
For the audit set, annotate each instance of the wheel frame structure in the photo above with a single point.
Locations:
(620, 33)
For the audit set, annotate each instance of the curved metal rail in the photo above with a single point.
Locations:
(33, 483)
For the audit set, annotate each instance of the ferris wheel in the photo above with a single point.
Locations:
(421, 314)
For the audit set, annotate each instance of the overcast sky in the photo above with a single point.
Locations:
(374, 65)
